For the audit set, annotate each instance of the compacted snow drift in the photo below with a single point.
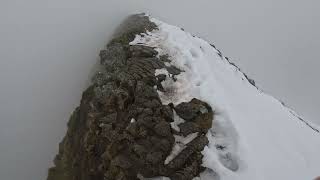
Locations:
(168, 105)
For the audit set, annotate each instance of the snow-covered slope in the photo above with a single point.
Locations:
(254, 136)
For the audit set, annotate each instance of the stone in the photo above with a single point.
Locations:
(142, 51)
(188, 111)
(163, 129)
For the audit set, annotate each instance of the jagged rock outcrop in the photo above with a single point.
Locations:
(121, 128)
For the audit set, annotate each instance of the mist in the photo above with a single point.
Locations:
(48, 50)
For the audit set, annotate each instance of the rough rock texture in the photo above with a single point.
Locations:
(121, 129)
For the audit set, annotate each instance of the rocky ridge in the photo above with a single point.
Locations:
(122, 130)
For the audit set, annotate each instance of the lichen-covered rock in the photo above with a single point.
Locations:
(121, 128)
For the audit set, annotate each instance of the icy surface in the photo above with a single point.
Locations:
(180, 144)
(176, 121)
(254, 136)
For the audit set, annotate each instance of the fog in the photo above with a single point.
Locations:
(48, 49)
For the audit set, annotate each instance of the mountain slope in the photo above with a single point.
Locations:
(254, 136)
(166, 104)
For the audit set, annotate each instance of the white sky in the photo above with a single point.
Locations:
(48, 48)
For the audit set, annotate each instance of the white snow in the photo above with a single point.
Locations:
(180, 144)
(132, 120)
(253, 135)
(176, 121)
(161, 71)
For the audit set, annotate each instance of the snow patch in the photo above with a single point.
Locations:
(179, 145)
(176, 121)
(161, 71)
